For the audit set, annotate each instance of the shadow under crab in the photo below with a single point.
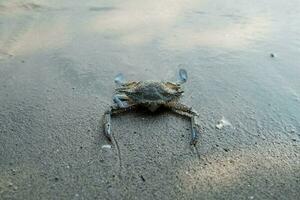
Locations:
(151, 95)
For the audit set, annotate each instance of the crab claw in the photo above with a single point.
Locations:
(119, 79)
(182, 76)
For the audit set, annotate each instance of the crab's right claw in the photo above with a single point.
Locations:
(182, 76)
(119, 79)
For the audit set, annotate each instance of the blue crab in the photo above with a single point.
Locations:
(150, 95)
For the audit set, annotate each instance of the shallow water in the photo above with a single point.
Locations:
(57, 63)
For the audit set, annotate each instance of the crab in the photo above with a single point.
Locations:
(151, 95)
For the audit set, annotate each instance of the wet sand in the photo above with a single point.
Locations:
(57, 63)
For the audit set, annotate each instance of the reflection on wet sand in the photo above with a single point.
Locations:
(140, 23)
(231, 36)
(14, 8)
(137, 23)
(171, 25)
(29, 31)
(40, 36)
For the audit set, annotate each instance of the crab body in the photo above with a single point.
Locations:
(152, 95)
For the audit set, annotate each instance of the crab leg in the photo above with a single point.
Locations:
(113, 110)
(107, 124)
(184, 110)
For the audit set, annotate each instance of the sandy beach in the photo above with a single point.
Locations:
(58, 60)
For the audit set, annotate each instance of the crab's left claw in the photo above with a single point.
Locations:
(119, 79)
(182, 76)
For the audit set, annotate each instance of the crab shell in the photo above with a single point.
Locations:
(151, 94)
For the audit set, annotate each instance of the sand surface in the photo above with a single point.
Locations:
(57, 63)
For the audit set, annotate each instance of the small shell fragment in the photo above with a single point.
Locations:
(222, 123)
(106, 146)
